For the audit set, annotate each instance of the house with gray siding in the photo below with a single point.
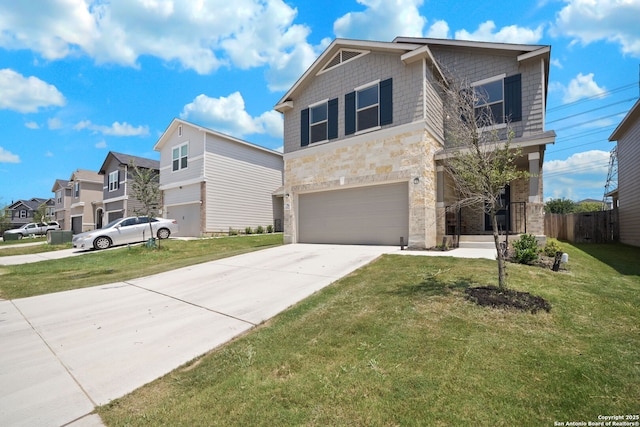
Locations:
(627, 134)
(213, 183)
(23, 212)
(364, 140)
(116, 170)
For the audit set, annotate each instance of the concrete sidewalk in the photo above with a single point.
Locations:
(64, 353)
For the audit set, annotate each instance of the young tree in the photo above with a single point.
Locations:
(560, 206)
(480, 160)
(145, 187)
(40, 214)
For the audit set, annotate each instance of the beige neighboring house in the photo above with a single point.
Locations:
(62, 203)
(212, 182)
(627, 195)
(364, 140)
(85, 207)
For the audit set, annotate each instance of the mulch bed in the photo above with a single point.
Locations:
(491, 296)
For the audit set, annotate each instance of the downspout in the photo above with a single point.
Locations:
(544, 96)
(424, 89)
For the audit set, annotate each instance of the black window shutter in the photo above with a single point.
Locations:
(332, 119)
(350, 113)
(386, 102)
(304, 127)
(513, 98)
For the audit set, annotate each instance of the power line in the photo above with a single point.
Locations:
(592, 97)
(592, 110)
(590, 121)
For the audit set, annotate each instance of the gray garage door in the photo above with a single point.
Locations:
(376, 215)
(188, 217)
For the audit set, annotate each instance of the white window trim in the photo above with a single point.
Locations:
(312, 106)
(362, 53)
(116, 183)
(359, 89)
(179, 148)
(484, 82)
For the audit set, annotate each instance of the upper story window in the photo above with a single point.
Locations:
(319, 122)
(23, 213)
(179, 157)
(498, 100)
(59, 196)
(76, 190)
(368, 107)
(113, 180)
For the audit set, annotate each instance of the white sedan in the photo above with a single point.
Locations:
(125, 230)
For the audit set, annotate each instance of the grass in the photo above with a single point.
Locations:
(21, 241)
(120, 264)
(10, 250)
(396, 343)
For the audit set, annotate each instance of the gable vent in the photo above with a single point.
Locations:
(342, 57)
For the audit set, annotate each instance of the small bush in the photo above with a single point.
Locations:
(269, 228)
(248, 230)
(260, 230)
(551, 247)
(233, 232)
(526, 249)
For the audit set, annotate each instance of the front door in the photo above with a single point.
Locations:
(502, 215)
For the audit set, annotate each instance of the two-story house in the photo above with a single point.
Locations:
(118, 202)
(62, 203)
(212, 182)
(85, 209)
(364, 139)
(23, 211)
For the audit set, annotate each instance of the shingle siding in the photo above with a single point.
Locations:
(337, 82)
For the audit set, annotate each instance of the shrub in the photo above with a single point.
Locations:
(248, 230)
(260, 230)
(551, 247)
(269, 228)
(233, 232)
(526, 249)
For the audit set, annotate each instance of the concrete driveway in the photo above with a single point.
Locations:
(64, 353)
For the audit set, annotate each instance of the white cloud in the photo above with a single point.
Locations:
(101, 144)
(613, 20)
(199, 35)
(586, 162)
(439, 30)
(511, 34)
(32, 125)
(228, 115)
(48, 154)
(26, 94)
(54, 123)
(8, 157)
(116, 129)
(582, 86)
(382, 20)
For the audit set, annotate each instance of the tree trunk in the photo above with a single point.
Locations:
(502, 282)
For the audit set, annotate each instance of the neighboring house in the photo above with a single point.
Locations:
(85, 210)
(211, 182)
(62, 203)
(364, 138)
(23, 211)
(116, 170)
(627, 134)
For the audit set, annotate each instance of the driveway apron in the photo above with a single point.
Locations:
(64, 353)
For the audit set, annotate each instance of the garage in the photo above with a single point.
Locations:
(188, 217)
(373, 215)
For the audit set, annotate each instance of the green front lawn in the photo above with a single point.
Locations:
(100, 267)
(396, 343)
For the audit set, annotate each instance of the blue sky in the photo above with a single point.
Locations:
(79, 78)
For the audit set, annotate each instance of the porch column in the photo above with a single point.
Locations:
(440, 186)
(534, 177)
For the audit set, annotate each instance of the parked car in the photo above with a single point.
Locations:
(33, 229)
(125, 230)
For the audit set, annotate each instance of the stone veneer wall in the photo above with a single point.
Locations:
(380, 157)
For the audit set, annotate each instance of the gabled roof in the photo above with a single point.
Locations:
(126, 159)
(86, 175)
(632, 117)
(60, 183)
(33, 204)
(177, 122)
(411, 49)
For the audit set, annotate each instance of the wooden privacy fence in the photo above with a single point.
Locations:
(586, 227)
